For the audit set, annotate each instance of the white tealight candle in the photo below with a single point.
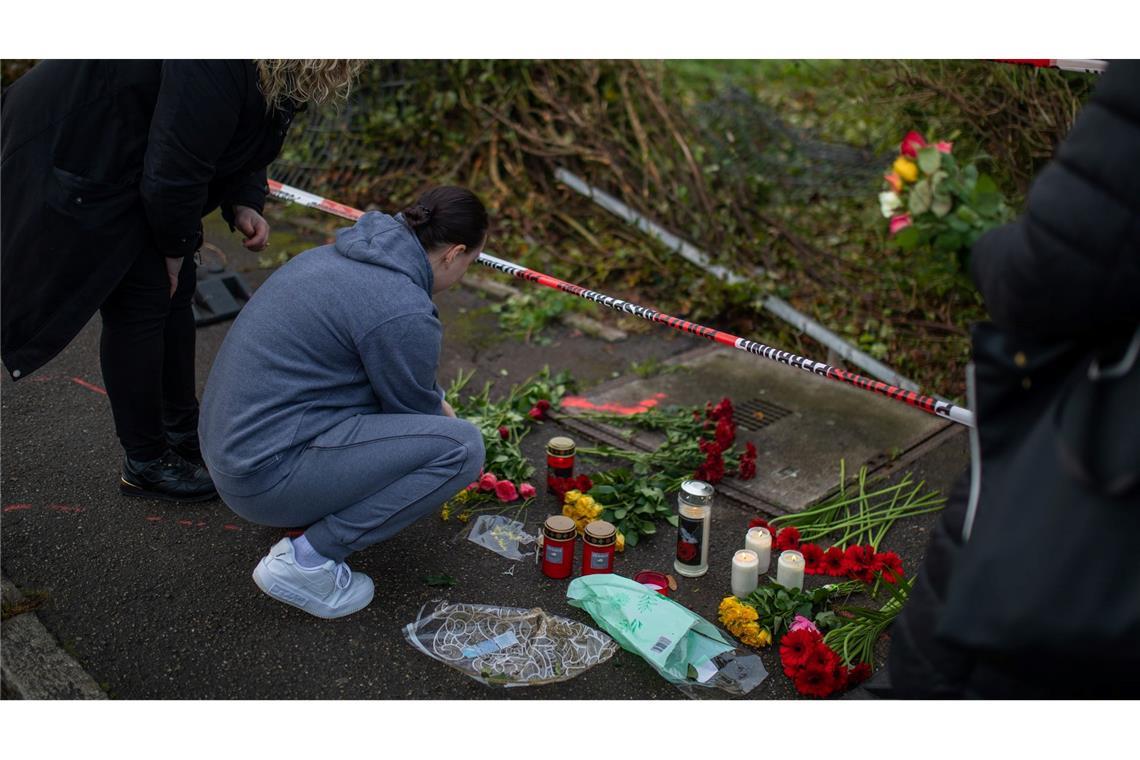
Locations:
(790, 570)
(759, 540)
(744, 575)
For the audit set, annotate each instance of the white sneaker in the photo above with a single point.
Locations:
(328, 591)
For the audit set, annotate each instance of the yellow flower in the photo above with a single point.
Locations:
(464, 516)
(572, 496)
(906, 169)
(620, 545)
(461, 497)
(445, 513)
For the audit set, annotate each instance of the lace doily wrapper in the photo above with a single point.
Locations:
(507, 646)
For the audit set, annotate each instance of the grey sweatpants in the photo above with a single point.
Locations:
(367, 479)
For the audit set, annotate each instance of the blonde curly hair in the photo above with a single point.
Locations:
(313, 80)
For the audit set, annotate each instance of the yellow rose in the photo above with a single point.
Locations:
(620, 545)
(572, 496)
(585, 503)
(906, 169)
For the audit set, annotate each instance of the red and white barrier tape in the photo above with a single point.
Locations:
(1083, 65)
(927, 404)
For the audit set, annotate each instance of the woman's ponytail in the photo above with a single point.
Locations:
(448, 215)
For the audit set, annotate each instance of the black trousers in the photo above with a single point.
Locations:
(147, 353)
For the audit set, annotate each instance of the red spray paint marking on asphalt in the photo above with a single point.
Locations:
(88, 385)
(16, 507)
(67, 509)
(229, 526)
(153, 518)
(581, 402)
(187, 523)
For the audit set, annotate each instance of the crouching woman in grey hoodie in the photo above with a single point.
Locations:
(322, 406)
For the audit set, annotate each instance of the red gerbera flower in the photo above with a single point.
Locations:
(832, 563)
(760, 522)
(890, 565)
(860, 561)
(812, 556)
(821, 656)
(815, 682)
(858, 674)
(583, 483)
(788, 538)
(796, 647)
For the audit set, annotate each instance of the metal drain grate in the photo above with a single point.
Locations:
(757, 413)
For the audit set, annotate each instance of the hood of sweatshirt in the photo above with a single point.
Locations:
(385, 241)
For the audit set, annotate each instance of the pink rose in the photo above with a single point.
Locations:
(487, 482)
(899, 222)
(911, 143)
(801, 623)
(943, 146)
(526, 490)
(473, 486)
(505, 490)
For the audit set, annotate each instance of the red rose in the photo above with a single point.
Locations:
(796, 647)
(543, 405)
(686, 552)
(504, 432)
(747, 469)
(583, 483)
(911, 143)
(832, 563)
(505, 491)
(788, 538)
(535, 413)
(812, 556)
(725, 432)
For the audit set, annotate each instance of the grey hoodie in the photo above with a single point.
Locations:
(341, 330)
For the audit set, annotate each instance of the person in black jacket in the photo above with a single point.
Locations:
(1067, 269)
(108, 168)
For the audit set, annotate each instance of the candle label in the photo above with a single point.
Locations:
(599, 560)
(690, 536)
(554, 554)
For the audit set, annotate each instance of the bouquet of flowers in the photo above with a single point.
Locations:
(933, 200)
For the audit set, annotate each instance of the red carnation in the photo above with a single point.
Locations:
(710, 447)
(583, 483)
(504, 432)
(724, 410)
(725, 432)
(812, 556)
(796, 647)
(747, 469)
(750, 450)
(832, 563)
(858, 674)
(712, 470)
(788, 538)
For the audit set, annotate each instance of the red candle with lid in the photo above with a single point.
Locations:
(558, 536)
(559, 459)
(598, 543)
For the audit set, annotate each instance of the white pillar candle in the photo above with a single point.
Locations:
(744, 576)
(790, 570)
(759, 540)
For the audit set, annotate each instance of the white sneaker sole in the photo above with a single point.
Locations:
(283, 592)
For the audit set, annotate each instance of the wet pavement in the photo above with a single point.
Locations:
(156, 601)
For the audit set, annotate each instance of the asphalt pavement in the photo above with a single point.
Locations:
(155, 600)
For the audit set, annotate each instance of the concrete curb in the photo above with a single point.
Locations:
(32, 663)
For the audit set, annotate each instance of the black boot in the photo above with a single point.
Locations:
(186, 446)
(170, 477)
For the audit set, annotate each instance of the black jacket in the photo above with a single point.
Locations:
(1069, 267)
(103, 161)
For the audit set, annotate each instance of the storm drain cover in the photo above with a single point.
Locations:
(801, 424)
